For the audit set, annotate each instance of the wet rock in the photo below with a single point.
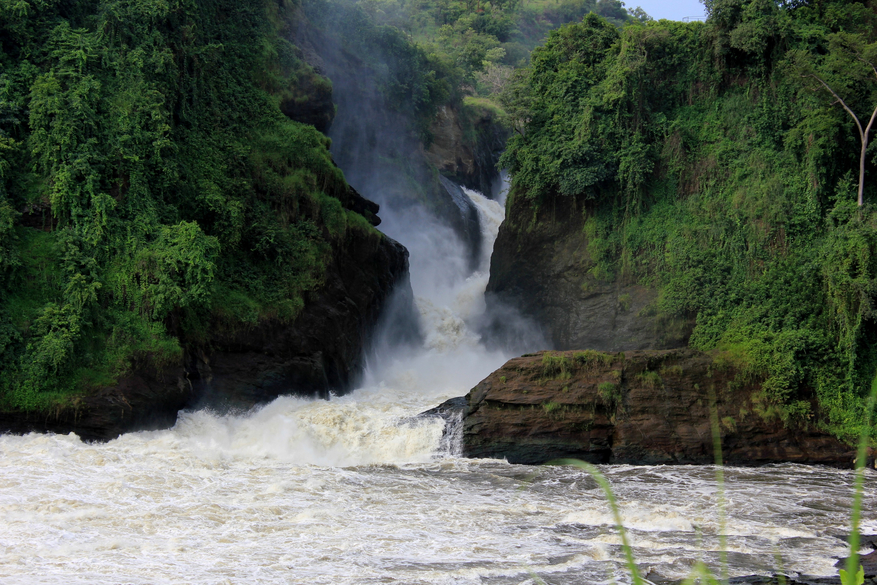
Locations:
(366, 208)
(638, 407)
(469, 162)
(448, 409)
(463, 218)
(452, 412)
(323, 350)
(542, 265)
(145, 400)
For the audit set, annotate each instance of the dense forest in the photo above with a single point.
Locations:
(152, 191)
(719, 163)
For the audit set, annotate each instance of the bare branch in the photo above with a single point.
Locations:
(868, 129)
(844, 104)
(866, 62)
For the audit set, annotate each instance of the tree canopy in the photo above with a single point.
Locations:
(150, 187)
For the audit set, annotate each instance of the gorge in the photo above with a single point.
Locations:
(244, 255)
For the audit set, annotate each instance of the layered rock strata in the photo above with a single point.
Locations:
(638, 407)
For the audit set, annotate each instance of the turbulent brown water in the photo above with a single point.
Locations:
(352, 490)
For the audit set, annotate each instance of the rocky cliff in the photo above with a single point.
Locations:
(638, 407)
(322, 350)
(543, 264)
(466, 146)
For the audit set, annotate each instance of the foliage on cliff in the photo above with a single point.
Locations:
(711, 163)
(434, 51)
(150, 187)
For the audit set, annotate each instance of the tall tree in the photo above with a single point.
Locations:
(851, 62)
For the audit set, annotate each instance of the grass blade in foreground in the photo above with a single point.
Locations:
(616, 515)
(852, 576)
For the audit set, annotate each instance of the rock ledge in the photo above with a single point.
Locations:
(636, 407)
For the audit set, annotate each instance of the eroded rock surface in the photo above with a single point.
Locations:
(543, 265)
(639, 407)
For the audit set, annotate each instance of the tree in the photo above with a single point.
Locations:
(851, 55)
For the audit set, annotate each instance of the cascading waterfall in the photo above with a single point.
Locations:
(354, 490)
(364, 427)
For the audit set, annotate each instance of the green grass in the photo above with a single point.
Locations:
(590, 358)
(650, 379)
(556, 367)
(486, 104)
(550, 407)
(609, 391)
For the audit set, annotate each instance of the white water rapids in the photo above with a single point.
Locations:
(352, 491)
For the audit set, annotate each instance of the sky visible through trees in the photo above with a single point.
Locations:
(659, 9)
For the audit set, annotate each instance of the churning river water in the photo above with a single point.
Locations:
(354, 491)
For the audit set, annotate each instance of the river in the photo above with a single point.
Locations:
(354, 490)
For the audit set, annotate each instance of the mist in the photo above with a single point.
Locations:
(436, 327)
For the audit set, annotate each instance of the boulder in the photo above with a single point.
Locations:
(636, 407)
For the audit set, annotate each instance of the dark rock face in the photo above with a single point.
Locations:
(322, 350)
(639, 407)
(541, 265)
(317, 110)
(145, 400)
(470, 163)
(464, 220)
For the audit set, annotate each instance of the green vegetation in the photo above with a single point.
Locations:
(609, 391)
(650, 379)
(556, 367)
(150, 188)
(590, 358)
(460, 46)
(711, 163)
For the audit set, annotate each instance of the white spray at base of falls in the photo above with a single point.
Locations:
(375, 423)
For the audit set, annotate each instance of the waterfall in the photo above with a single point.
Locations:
(376, 423)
